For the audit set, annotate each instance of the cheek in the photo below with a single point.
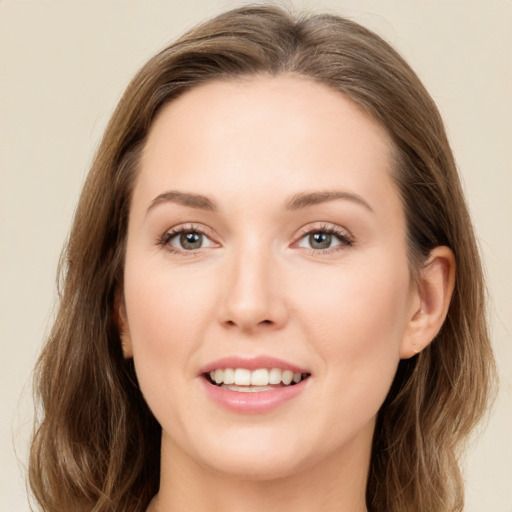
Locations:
(356, 322)
(165, 305)
(167, 312)
(356, 307)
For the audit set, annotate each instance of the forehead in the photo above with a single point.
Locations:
(262, 105)
(280, 134)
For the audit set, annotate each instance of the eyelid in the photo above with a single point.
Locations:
(344, 236)
(169, 234)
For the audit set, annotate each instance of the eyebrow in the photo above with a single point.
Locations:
(296, 202)
(185, 199)
(304, 200)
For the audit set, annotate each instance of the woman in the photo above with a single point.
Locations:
(272, 296)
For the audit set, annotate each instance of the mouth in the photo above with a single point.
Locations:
(254, 385)
(244, 380)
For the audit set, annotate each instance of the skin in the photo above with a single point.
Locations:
(347, 313)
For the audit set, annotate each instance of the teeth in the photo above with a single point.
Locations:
(287, 377)
(259, 377)
(274, 376)
(229, 376)
(248, 389)
(232, 378)
(242, 377)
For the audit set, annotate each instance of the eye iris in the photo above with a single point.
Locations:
(191, 240)
(320, 240)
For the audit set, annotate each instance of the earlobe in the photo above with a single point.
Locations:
(434, 291)
(121, 322)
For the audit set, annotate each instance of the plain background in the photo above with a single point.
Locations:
(63, 66)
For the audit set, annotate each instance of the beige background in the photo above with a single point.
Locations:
(63, 66)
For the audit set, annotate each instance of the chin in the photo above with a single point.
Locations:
(262, 468)
(252, 457)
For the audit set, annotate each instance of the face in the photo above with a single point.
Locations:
(266, 233)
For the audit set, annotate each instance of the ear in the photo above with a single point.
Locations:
(121, 322)
(430, 304)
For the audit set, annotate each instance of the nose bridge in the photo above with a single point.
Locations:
(253, 298)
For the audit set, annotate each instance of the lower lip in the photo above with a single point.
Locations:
(253, 402)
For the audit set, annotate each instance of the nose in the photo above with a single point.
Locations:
(253, 298)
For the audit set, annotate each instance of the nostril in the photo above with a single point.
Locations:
(232, 323)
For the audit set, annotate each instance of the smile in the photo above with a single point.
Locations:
(253, 385)
(258, 380)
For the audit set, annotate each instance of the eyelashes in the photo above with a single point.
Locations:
(324, 239)
(186, 239)
(316, 239)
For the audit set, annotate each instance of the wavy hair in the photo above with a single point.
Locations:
(96, 445)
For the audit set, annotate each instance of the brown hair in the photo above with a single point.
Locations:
(97, 446)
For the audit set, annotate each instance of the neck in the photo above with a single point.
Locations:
(337, 483)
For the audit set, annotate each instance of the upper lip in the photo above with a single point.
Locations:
(252, 363)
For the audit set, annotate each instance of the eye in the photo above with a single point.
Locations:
(186, 239)
(324, 239)
(319, 240)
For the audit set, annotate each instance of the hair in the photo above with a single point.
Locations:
(96, 446)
